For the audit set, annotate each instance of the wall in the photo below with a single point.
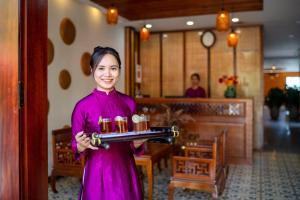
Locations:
(91, 30)
(278, 81)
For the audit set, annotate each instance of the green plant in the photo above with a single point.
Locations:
(292, 100)
(274, 100)
(275, 97)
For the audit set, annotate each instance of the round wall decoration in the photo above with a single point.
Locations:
(67, 31)
(50, 51)
(85, 63)
(64, 79)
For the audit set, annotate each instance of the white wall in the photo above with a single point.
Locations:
(91, 30)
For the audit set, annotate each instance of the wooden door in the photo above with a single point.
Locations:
(23, 131)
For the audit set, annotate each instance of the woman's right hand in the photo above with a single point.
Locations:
(83, 142)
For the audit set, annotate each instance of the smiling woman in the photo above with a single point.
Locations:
(101, 179)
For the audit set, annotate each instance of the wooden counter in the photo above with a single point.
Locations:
(204, 118)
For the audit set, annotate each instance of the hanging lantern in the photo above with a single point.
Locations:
(112, 15)
(223, 20)
(232, 39)
(144, 34)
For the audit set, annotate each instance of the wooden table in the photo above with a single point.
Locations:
(154, 152)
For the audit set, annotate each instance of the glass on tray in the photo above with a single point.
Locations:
(121, 124)
(137, 123)
(141, 123)
(105, 125)
(147, 122)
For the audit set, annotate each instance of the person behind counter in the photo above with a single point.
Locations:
(195, 90)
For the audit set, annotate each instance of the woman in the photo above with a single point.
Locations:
(108, 174)
(195, 90)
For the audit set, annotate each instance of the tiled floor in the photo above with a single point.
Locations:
(274, 175)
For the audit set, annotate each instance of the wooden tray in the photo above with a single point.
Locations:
(103, 140)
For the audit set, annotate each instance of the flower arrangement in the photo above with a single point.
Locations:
(230, 82)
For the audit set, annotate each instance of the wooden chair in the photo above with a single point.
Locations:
(64, 163)
(201, 167)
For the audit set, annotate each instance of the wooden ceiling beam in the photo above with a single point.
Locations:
(151, 9)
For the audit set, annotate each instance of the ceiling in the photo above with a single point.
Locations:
(154, 9)
(280, 19)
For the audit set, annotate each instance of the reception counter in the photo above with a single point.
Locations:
(202, 118)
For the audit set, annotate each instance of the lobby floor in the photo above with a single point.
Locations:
(274, 175)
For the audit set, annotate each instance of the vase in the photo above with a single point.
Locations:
(230, 92)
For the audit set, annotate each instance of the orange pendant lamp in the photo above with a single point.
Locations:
(112, 15)
(223, 20)
(232, 39)
(144, 34)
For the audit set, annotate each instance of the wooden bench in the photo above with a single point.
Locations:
(64, 163)
(202, 167)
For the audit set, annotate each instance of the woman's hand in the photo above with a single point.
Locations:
(83, 142)
(138, 143)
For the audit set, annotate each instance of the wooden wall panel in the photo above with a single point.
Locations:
(221, 64)
(250, 73)
(195, 59)
(278, 81)
(150, 61)
(172, 64)
(9, 115)
(33, 132)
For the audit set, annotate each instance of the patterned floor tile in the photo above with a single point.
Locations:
(273, 176)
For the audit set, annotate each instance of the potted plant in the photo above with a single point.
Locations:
(230, 82)
(274, 100)
(292, 96)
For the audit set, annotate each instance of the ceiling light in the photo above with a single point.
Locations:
(232, 39)
(235, 19)
(112, 15)
(238, 31)
(190, 23)
(291, 36)
(144, 34)
(148, 25)
(223, 20)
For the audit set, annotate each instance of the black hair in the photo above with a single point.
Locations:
(195, 75)
(100, 52)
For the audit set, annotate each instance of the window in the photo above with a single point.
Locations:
(293, 82)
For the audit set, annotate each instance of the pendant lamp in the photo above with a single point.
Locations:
(223, 20)
(232, 39)
(112, 15)
(144, 34)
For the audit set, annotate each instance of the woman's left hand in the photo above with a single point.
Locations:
(138, 143)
